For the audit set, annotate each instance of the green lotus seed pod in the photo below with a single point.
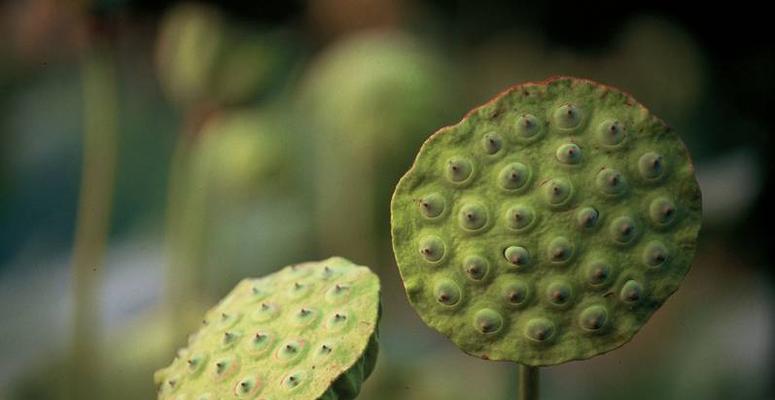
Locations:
(574, 216)
(308, 331)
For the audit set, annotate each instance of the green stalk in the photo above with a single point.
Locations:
(93, 220)
(346, 173)
(185, 232)
(528, 383)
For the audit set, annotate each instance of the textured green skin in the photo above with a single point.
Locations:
(333, 372)
(426, 282)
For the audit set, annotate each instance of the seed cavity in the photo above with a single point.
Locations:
(432, 248)
(598, 273)
(476, 267)
(632, 292)
(611, 182)
(431, 205)
(247, 386)
(294, 380)
(225, 367)
(559, 293)
(651, 166)
(655, 254)
(623, 230)
(472, 217)
(539, 330)
(593, 318)
(560, 250)
(266, 312)
(587, 217)
(195, 364)
(491, 143)
(514, 176)
(568, 117)
(611, 133)
(557, 192)
(459, 169)
(517, 256)
(569, 153)
(520, 217)
(527, 127)
(447, 292)
(515, 293)
(290, 350)
(488, 321)
(662, 211)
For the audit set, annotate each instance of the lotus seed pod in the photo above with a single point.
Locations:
(308, 331)
(573, 217)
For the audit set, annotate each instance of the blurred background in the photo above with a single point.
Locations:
(153, 153)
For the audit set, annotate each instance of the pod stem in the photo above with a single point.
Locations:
(100, 142)
(528, 383)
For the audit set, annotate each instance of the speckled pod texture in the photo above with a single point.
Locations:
(547, 225)
(306, 332)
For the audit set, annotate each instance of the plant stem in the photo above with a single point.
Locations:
(528, 383)
(93, 220)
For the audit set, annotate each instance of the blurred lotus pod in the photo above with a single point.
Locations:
(548, 225)
(308, 331)
(239, 149)
(202, 57)
(375, 89)
(366, 98)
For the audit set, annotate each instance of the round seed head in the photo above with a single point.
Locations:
(287, 345)
(574, 217)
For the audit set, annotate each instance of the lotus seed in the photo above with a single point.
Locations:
(431, 206)
(432, 248)
(597, 273)
(623, 230)
(610, 182)
(247, 386)
(515, 293)
(655, 254)
(631, 292)
(558, 293)
(560, 250)
(459, 170)
(651, 166)
(593, 318)
(528, 127)
(517, 256)
(513, 176)
(447, 292)
(472, 217)
(491, 142)
(519, 217)
(586, 217)
(557, 192)
(567, 117)
(476, 268)
(662, 211)
(569, 153)
(488, 321)
(539, 330)
(611, 133)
